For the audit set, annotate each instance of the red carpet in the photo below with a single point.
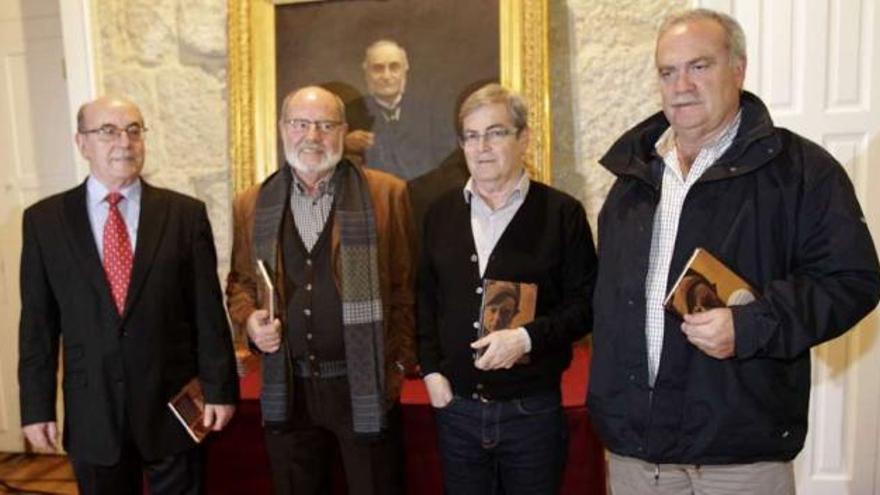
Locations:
(237, 462)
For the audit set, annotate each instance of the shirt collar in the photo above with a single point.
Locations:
(326, 186)
(666, 143)
(518, 193)
(97, 192)
(393, 106)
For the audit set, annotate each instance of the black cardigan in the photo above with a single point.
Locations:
(548, 242)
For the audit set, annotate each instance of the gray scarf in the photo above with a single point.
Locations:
(362, 314)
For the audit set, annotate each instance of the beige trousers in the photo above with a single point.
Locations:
(631, 476)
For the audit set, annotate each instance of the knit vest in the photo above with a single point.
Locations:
(314, 308)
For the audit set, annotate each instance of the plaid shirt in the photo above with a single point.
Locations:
(310, 213)
(673, 191)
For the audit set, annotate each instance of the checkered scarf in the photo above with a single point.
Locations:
(362, 315)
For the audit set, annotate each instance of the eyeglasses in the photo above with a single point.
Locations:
(305, 125)
(109, 132)
(492, 136)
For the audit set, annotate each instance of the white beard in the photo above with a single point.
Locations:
(331, 158)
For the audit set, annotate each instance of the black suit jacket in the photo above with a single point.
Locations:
(120, 369)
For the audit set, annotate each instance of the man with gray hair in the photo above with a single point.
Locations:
(393, 129)
(335, 240)
(499, 417)
(717, 402)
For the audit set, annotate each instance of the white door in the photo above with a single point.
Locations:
(816, 63)
(36, 159)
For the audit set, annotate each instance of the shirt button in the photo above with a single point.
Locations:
(476, 324)
(308, 286)
(479, 290)
(309, 261)
(630, 302)
(475, 396)
(474, 258)
(307, 312)
(308, 336)
(316, 374)
(311, 357)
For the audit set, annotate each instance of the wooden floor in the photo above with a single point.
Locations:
(36, 474)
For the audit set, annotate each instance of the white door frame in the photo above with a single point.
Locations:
(80, 63)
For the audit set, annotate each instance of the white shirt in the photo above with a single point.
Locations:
(487, 225)
(673, 191)
(99, 209)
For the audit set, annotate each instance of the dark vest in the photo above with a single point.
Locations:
(314, 307)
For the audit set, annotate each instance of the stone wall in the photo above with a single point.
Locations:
(169, 56)
(603, 82)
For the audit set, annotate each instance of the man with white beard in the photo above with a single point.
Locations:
(336, 242)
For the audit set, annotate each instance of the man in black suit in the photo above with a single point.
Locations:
(396, 129)
(123, 276)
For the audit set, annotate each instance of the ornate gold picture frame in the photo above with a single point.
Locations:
(252, 94)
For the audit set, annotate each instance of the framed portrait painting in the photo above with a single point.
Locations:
(401, 68)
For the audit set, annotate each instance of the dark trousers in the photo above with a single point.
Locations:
(301, 455)
(513, 447)
(179, 474)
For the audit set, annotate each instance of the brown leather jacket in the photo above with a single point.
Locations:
(396, 269)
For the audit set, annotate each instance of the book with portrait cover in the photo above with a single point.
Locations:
(506, 305)
(706, 283)
(189, 408)
(265, 290)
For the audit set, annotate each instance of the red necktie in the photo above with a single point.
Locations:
(117, 252)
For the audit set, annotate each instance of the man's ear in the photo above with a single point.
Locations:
(80, 140)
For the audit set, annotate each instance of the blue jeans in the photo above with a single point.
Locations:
(513, 447)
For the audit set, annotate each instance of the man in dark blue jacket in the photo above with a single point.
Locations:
(720, 397)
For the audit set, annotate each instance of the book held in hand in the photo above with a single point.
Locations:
(189, 408)
(265, 290)
(706, 283)
(506, 305)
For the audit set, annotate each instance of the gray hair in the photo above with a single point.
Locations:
(339, 103)
(385, 42)
(496, 93)
(736, 38)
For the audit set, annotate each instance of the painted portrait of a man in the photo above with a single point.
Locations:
(398, 66)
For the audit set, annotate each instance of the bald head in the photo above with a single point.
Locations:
(311, 96)
(99, 104)
(110, 137)
(312, 127)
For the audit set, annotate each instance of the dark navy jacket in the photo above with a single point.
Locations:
(782, 213)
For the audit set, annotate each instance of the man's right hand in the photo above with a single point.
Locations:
(43, 436)
(439, 390)
(358, 142)
(265, 334)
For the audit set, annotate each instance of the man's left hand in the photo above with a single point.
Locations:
(503, 349)
(712, 332)
(217, 416)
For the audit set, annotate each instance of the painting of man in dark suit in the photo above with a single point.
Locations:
(399, 67)
(389, 127)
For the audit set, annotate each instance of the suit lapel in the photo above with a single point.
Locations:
(151, 226)
(79, 231)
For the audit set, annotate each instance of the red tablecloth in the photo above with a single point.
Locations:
(237, 461)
